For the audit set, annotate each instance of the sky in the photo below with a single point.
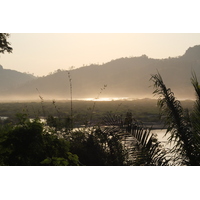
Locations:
(47, 36)
(43, 53)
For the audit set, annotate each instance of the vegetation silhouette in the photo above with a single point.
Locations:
(105, 144)
(182, 126)
(30, 144)
(4, 44)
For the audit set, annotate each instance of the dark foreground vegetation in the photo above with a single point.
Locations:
(88, 135)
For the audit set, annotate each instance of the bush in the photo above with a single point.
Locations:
(28, 144)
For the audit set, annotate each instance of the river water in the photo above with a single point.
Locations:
(161, 136)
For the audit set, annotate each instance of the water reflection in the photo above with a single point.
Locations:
(3, 118)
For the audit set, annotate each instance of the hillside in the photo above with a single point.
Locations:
(11, 79)
(124, 77)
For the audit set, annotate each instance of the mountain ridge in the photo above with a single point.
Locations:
(10, 79)
(125, 77)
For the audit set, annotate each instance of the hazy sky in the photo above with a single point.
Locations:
(42, 53)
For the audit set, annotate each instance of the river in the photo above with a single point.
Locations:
(161, 136)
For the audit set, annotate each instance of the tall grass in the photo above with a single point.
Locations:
(71, 100)
(94, 104)
(42, 103)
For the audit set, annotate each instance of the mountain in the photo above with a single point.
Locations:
(124, 77)
(11, 79)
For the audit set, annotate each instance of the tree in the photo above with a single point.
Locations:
(183, 126)
(29, 144)
(4, 44)
(144, 149)
(97, 147)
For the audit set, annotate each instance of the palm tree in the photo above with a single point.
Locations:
(147, 150)
(144, 148)
(184, 128)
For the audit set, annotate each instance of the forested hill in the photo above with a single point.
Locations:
(124, 77)
(10, 79)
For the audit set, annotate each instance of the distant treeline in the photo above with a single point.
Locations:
(145, 110)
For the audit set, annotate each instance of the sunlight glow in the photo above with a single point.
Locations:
(105, 99)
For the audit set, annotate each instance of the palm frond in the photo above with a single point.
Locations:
(178, 123)
(112, 120)
(196, 110)
(144, 148)
(149, 150)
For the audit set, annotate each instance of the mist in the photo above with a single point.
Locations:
(124, 78)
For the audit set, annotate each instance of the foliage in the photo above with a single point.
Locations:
(144, 110)
(147, 150)
(70, 83)
(105, 145)
(4, 44)
(182, 126)
(144, 148)
(59, 123)
(28, 144)
(97, 147)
